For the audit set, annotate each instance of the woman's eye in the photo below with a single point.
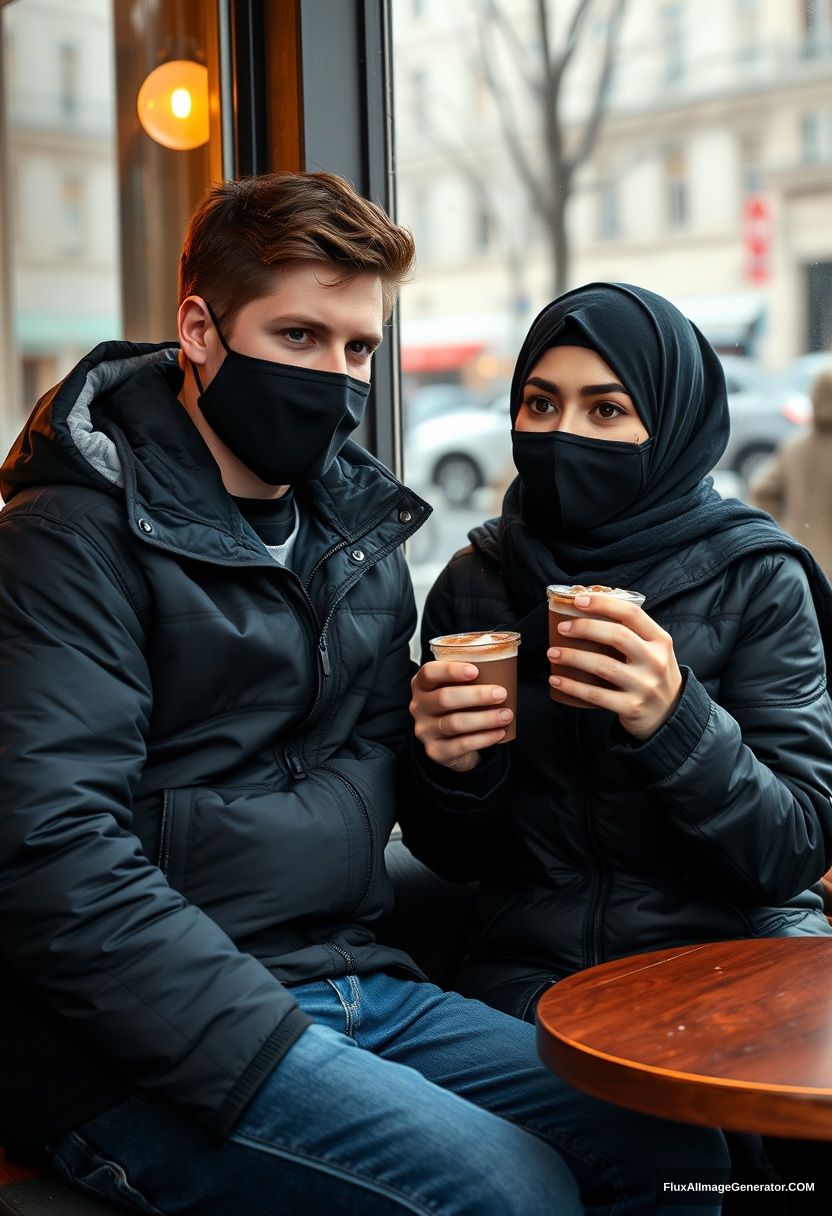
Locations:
(540, 405)
(608, 409)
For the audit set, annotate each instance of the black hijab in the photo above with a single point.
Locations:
(681, 532)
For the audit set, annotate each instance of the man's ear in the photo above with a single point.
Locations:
(194, 322)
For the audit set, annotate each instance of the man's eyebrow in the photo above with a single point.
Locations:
(294, 321)
(589, 390)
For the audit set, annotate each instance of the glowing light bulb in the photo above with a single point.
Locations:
(173, 104)
(180, 102)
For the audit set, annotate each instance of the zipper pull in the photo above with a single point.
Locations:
(324, 653)
(293, 761)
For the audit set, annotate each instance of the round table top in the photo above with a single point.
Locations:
(732, 1034)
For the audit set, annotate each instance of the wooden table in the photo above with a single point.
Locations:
(731, 1034)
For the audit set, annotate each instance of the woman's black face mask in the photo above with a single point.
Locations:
(286, 424)
(572, 484)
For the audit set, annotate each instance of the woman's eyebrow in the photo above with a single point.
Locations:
(589, 390)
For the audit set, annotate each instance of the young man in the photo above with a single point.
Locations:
(204, 627)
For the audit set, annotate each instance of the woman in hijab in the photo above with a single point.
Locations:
(689, 800)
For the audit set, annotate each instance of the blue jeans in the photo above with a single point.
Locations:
(400, 1098)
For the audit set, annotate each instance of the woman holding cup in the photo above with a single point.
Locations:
(670, 780)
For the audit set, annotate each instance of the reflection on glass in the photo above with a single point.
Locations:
(59, 257)
(540, 145)
(92, 209)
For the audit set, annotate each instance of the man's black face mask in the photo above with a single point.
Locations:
(286, 424)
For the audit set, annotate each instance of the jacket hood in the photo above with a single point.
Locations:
(60, 442)
(115, 424)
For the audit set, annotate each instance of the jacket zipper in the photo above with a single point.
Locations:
(290, 752)
(322, 670)
(165, 833)
(365, 815)
(345, 955)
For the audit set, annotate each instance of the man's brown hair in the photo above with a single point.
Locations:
(243, 231)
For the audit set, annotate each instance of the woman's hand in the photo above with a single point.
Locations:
(454, 718)
(647, 684)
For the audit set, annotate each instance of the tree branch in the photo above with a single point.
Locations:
(593, 123)
(511, 133)
(509, 33)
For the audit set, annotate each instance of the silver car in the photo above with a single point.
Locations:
(764, 409)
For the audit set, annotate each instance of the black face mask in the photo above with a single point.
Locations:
(287, 424)
(572, 484)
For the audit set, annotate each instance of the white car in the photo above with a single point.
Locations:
(460, 451)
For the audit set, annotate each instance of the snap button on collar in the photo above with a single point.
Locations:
(145, 525)
(358, 555)
(405, 517)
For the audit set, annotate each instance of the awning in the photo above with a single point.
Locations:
(45, 333)
(447, 358)
(444, 344)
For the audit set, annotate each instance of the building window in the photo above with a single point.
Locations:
(748, 30)
(68, 78)
(811, 137)
(483, 225)
(72, 216)
(609, 213)
(751, 169)
(674, 43)
(816, 22)
(676, 185)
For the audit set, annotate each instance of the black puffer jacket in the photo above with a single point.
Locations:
(196, 756)
(592, 846)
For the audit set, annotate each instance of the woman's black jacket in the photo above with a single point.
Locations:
(197, 752)
(591, 846)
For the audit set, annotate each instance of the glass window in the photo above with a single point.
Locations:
(92, 209)
(715, 192)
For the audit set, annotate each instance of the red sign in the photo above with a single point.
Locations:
(439, 358)
(757, 236)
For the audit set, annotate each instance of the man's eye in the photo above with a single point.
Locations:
(295, 335)
(359, 348)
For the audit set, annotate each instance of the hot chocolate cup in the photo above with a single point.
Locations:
(494, 653)
(562, 608)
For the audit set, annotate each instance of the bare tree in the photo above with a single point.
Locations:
(549, 179)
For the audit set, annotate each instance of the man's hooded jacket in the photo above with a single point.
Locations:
(196, 752)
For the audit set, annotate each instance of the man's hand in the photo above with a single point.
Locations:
(454, 718)
(648, 683)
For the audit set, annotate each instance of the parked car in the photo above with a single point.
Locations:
(469, 448)
(459, 451)
(764, 410)
(799, 374)
(434, 400)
